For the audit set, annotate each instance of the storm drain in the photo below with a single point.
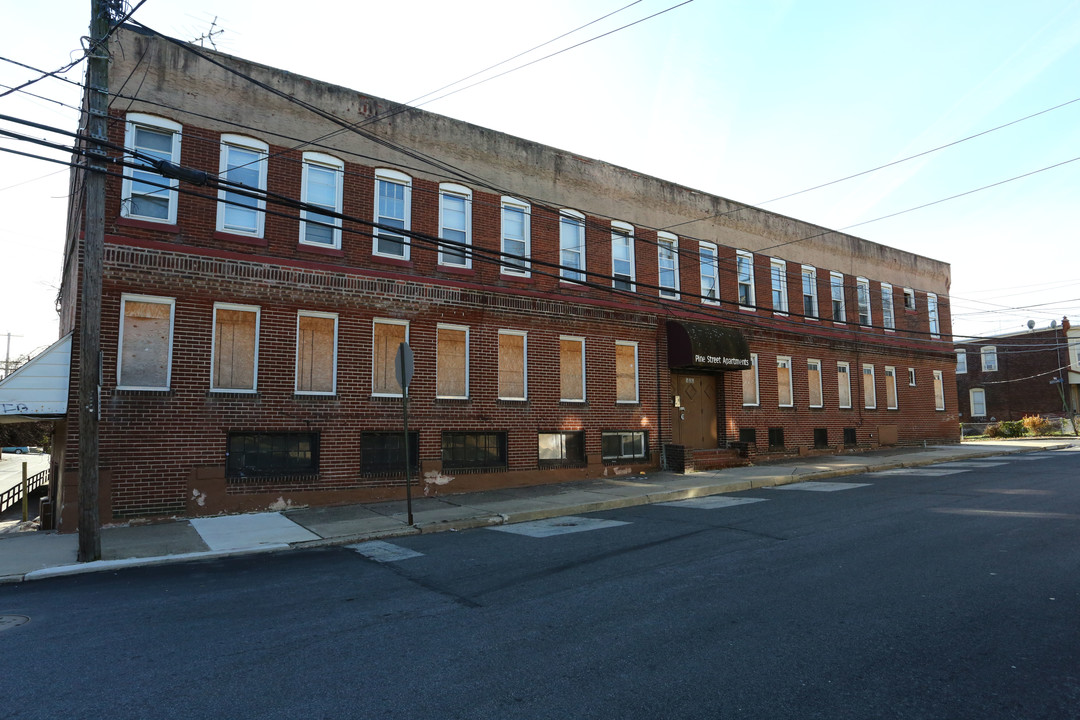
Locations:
(9, 621)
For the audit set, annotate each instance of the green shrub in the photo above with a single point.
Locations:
(1013, 428)
(1037, 425)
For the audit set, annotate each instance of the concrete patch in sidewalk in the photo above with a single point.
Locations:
(233, 532)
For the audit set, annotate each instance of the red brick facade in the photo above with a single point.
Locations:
(163, 451)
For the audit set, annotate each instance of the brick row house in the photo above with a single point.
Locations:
(1011, 375)
(568, 318)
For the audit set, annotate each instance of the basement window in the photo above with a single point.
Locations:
(474, 450)
(556, 449)
(624, 445)
(383, 453)
(261, 455)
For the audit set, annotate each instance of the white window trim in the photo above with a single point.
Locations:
(961, 367)
(296, 374)
(748, 256)
(393, 176)
(888, 308)
(939, 382)
(890, 375)
(909, 294)
(155, 123)
(584, 384)
(663, 238)
(971, 402)
(579, 218)
(833, 276)
(715, 272)
(862, 292)
(757, 382)
(983, 354)
(384, 321)
(778, 272)
(254, 145)
(847, 374)
(323, 162)
(873, 387)
(820, 386)
(524, 364)
(620, 231)
(911, 377)
(468, 340)
(933, 315)
(637, 385)
(811, 272)
(785, 361)
(516, 270)
(171, 302)
(458, 191)
(213, 347)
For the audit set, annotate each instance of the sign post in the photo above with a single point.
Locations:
(403, 370)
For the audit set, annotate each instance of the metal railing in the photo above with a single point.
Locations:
(13, 496)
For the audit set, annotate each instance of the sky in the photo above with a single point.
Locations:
(751, 101)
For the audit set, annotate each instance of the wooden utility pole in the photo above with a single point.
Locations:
(97, 108)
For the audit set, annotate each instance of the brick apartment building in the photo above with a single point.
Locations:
(569, 318)
(1008, 376)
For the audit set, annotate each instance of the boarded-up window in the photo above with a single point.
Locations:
(453, 362)
(145, 340)
(890, 388)
(843, 383)
(315, 364)
(572, 368)
(813, 379)
(868, 388)
(783, 381)
(939, 391)
(750, 382)
(626, 377)
(512, 349)
(236, 346)
(386, 337)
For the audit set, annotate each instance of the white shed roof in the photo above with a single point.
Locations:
(39, 389)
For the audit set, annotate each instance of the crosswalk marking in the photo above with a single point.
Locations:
(557, 526)
(712, 502)
(384, 552)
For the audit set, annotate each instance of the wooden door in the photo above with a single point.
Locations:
(693, 424)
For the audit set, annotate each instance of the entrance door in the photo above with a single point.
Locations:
(693, 425)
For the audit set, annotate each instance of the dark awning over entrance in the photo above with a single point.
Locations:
(699, 346)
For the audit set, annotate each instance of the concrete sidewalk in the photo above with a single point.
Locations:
(37, 555)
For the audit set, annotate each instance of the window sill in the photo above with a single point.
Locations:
(227, 393)
(121, 390)
(452, 400)
(148, 224)
(314, 396)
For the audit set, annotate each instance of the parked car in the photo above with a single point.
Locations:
(18, 450)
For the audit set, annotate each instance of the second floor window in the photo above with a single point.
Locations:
(667, 250)
(455, 224)
(515, 237)
(989, 358)
(836, 288)
(622, 256)
(146, 195)
(961, 362)
(778, 272)
(744, 267)
(393, 198)
(710, 273)
(809, 291)
(888, 317)
(572, 246)
(322, 187)
(243, 165)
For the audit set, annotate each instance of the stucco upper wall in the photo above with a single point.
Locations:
(175, 76)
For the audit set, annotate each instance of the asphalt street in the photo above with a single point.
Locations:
(950, 591)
